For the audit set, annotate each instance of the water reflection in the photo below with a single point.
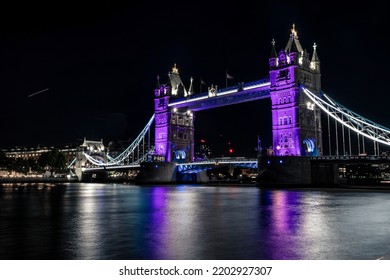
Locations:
(283, 219)
(116, 221)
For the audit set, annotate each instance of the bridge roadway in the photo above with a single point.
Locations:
(188, 167)
(199, 166)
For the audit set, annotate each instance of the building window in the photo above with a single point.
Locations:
(161, 103)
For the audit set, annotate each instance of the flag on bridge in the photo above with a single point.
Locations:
(201, 83)
(228, 77)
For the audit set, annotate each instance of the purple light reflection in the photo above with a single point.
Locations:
(284, 225)
(159, 225)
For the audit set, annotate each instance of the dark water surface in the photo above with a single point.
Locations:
(81, 221)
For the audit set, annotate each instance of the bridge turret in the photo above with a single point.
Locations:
(191, 89)
(293, 44)
(273, 58)
(293, 48)
(177, 86)
(315, 62)
(161, 89)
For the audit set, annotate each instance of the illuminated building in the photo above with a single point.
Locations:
(174, 127)
(205, 150)
(296, 122)
(34, 153)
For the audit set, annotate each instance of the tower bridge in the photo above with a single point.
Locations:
(296, 127)
(299, 108)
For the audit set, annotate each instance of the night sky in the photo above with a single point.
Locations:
(99, 61)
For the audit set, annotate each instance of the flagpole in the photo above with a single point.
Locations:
(226, 78)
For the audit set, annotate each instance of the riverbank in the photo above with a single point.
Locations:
(8, 180)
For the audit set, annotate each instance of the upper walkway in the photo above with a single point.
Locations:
(243, 92)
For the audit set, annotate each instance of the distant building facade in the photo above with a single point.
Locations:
(34, 153)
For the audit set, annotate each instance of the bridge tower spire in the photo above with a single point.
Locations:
(296, 122)
(174, 127)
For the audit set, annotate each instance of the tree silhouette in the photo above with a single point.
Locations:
(54, 160)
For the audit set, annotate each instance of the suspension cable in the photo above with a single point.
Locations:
(128, 151)
(349, 141)
(330, 145)
(367, 128)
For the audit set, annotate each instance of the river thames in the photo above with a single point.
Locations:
(80, 221)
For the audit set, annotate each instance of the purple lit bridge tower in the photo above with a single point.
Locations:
(296, 122)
